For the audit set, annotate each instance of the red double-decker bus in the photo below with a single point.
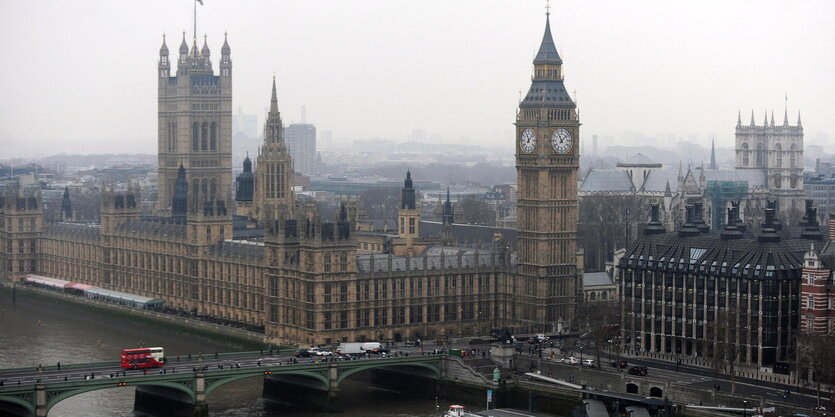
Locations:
(143, 358)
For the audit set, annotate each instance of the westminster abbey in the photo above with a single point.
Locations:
(305, 281)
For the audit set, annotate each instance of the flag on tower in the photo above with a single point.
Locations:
(199, 1)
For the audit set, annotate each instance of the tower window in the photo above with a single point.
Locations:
(195, 133)
(213, 140)
(204, 137)
(745, 154)
(779, 150)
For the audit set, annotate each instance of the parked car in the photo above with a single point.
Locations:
(570, 359)
(619, 364)
(638, 370)
(588, 362)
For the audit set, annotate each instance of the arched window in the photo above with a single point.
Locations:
(778, 180)
(760, 155)
(810, 302)
(779, 150)
(745, 154)
(213, 188)
(792, 158)
(592, 297)
(213, 140)
(204, 137)
(195, 189)
(604, 295)
(195, 137)
(204, 187)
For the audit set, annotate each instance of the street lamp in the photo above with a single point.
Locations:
(745, 407)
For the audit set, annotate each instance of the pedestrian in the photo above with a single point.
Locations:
(144, 372)
(59, 366)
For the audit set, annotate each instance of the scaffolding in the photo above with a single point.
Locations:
(720, 193)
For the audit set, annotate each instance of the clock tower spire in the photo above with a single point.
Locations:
(547, 159)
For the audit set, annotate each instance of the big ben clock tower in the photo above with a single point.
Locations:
(547, 159)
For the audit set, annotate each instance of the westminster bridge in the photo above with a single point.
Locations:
(184, 382)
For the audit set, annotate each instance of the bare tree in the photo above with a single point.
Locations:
(607, 223)
(601, 322)
(380, 203)
(817, 356)
(476, 211)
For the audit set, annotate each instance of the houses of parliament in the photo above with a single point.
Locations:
(306, 282)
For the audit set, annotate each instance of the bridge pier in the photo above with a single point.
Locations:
(162, 401)
(201, 407)
(40, 400)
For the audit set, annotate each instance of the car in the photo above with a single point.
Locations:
(570, 360)
(302, 353)
(588, 362)
(315, 351)
(618, 364)
(638, 370)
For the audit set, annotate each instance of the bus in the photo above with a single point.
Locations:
(142, 358)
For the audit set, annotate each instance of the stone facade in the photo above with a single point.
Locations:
(305, 282)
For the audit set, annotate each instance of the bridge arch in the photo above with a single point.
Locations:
(631, 388)
(213, 383)
(656, 392)
(19, 401)
(433, 371)
(54, 397)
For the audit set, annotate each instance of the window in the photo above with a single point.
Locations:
(792, 158)
(745, 154)
(810, 302)
(779, 160)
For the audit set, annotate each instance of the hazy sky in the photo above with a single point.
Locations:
(80, 76)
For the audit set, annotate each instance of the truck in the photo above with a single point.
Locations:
(360, 348)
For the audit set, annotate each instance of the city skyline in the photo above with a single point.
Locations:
(452, 69)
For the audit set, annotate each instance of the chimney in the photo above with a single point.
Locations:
(654, 226)
(689, 228)
(731, 231)
(769, 234)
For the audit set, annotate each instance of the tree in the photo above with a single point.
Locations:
(601, 322)
(380, 203)
(817, 355)
(476, 211)
(605, 223)
(727, 340)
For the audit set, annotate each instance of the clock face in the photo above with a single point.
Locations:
(527, 140)
(561, 140)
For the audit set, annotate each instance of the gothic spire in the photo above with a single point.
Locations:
(739, 119)
(772, 118)
(786, 118)
(547, 50)
(225, 50)
(184, 46)
(765, 118)
(752, 118)
(163, 50)
(204, 52)
(274, 99)
(667, 192)
(798, 119)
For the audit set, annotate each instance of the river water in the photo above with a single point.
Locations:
(36, 331)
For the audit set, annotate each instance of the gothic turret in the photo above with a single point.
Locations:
(274, 167)
(179, 202)
(164, 65)
(244, 187)
(66, 206)
(407, 195)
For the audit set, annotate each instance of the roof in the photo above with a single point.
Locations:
(708, 254)
(547, 49)
(155, 227)
(594, 279)
(121, 296)
(606, 180)
(639, 160)
(547, 93)
(657, 181)
(469, 234)
(238, 249)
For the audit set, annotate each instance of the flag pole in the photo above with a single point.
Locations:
(195, 19)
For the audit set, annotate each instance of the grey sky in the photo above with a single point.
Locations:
(80, 76)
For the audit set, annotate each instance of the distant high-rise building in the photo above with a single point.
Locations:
(301, 139)
(244, 124)
(594, 145)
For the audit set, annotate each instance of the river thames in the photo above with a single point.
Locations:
(39, 331)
